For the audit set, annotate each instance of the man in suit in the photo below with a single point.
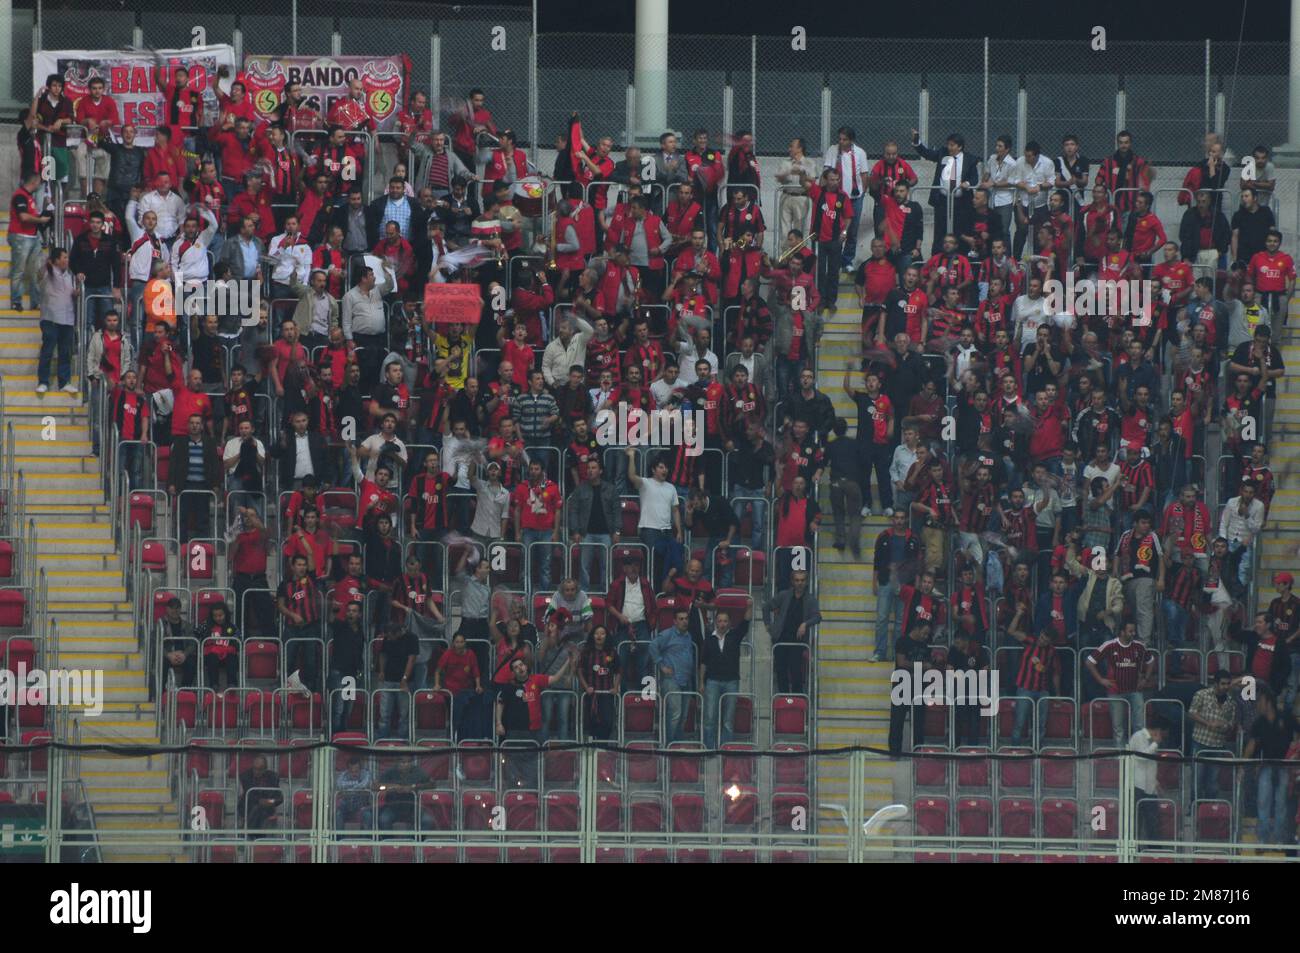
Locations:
(394, 206)
(952, 165)
(301, 454)
(244, 252)
(316, 311)
(790, 617)
(194, 465)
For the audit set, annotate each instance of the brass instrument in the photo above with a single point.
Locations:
(789, 253)
(555, 229)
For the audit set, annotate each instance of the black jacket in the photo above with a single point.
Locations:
(969, 175)
(179, 463)
(375, 217)
(911, 550)
(96, 263)
(1189, 234)
(285, 452)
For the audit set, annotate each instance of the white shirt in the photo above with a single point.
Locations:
(851, 165)
(633, 604)
(661, 390)
(302, 457)
(169, 208)
(1111, 475)
(657, 503)
(493, 504)
(687, 356)
(295, 258)
(191, 263)
(1041, 175)
(456, 452)
(1234, 527)
(999, 173)
(375, 443)
(234, 443)
(1144, 770)
(904, 457)
(1030, 314)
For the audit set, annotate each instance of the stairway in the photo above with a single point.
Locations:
(87, 598)
(852, 692)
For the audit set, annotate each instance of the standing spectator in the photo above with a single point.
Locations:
(1124, 173)
(1141, 568)
(25, 220)
(955, 172)
(833, 222)
(1270, 738)
(219, 643)
(365, 323)
(720, 675)
(536, 505)
(57, 288)
(95, 260)
(1147, 741)
(1272, 271)
(672, 654)
(1213, 714)
(1129, 671)
(911, 649)
(897, 553)
(792, 617)
(398, 650)
(519, 719)
(1251, 224)
(244, 458)
(997, 179)
(1240, 525)
(845, 456)
(1038, 676)
(795, 173)
(631, 603)
(600, 676)
(195, 466)
(1032, 177)
(1204, 235)
(660, 515)
(299, 605)
(53, 113)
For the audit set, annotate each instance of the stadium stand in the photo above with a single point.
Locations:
(353, 516)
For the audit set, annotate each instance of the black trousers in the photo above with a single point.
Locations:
(374, 347)
(789, 667)
(898, 715)
(829, 256)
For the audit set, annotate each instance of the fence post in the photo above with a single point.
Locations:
(1022, 114)
(586, 806)
(37, 25)
(322, 815)
(1121, 105)
(435, 76)
(728, 107)
(54, 791)
(923, 110)
(533, 119)
(629, 137)
(1220, 109)
(336, 49)
(826, 112)
(237, 41)
(1207, 84)
(753, 86)
(137, 34)
(1127, 806)
(857, 805)
(985, 153)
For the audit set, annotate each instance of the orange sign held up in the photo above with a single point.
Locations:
(446, 303)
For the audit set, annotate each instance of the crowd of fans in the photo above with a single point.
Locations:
(1077, 500)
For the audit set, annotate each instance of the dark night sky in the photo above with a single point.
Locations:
(1010, 19)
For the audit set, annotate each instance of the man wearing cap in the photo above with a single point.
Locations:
(1284, 621)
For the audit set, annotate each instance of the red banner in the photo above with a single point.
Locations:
(387, 80)
(446, 303)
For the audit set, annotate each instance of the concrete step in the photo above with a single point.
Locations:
(63, 464)
(60, 562)
(127, 662)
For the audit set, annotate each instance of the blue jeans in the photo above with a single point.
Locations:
(557, 704)
(657, 540)
(714, 691)
(1027, 701)
(727, 574)
(1136, 706)
(1244, 570)
(1175, 621)
(544, 554)
(97, 306)
(394, 697)
(676, 704)
(635, 658)
(1207, 774)
(851, 243)
(353, 809)
(340, 709)
(21, 248)
(1271, 804)
(63, 336)
(886, 626)
(593, 556)
(756, 537)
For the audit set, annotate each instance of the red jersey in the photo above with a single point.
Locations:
(537, 505)
(832, 213)
(1271, 272)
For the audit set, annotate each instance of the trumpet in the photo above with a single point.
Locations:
(789, 253)
(555, 228)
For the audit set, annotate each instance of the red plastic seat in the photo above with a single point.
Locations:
(522, 808)
(790, 716)
(13, 608)
(638, 714)
(630, 514)
(931, 820)
(974, 819)
(1213, 821)
(1016, 817)
(1060, 818)
(751, 567)
(141, 506)
(262, 659)
(687, 813)
(200, 560)
(262, 710)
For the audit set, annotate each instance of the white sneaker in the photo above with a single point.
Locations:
(71, 388)
(866, 511)
(42, 388)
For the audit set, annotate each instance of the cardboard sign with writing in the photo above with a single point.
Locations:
(446, 303)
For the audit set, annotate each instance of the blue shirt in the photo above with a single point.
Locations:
(399, 212)
(251, 258)
(194, 471)
(676, 650)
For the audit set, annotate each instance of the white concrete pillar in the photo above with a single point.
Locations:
(651, 69)
(1288, 154)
